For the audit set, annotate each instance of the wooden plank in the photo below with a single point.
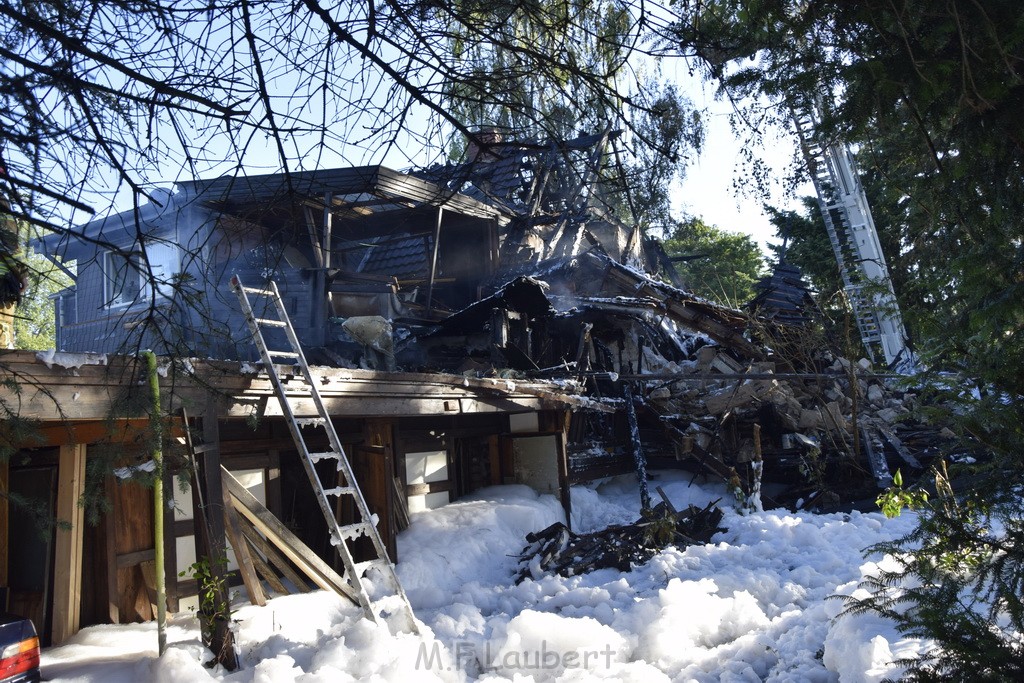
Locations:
(664, 498)
(264, 570)
(378, 486)
(5, 487)
(242, 555)
(432, 487)
(170, 546)
(318, 571)
(401, 505)
(273, 556)
(136, 557)
(95, 388)
(148, 571)
(67, 580)
(494, 459)
(93, 431)
(110, 554)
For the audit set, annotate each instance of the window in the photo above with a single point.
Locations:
(165, 264)
(127, 279)
(123, 277)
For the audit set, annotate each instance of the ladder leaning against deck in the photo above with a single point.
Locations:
(393, 601)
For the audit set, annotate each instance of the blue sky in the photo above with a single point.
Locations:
(709, 188)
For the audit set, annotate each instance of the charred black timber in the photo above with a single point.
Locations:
(707, 376)
(557, 549)
(637, 447)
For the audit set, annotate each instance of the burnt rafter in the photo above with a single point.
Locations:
(724, 325)
(358, 187)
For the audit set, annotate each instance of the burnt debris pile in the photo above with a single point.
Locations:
(559, 550)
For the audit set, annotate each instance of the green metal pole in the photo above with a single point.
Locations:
(158, 502)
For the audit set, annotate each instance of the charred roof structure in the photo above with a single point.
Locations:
(512, 264)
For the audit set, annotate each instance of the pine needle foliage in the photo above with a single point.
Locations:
(930, 95)
(957, 582)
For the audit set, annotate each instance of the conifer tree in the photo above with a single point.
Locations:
(930, 95)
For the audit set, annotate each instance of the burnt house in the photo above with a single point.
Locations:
(349, 249)
(473, 324)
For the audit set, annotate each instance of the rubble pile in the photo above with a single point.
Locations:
(558, 550)
(827, 437)
(576, 296)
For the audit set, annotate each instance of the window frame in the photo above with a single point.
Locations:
(117, 272)
(153, 278)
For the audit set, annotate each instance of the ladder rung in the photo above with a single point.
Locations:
(340, 491)
(257, 291)
(327, 455)
(310, 421)
(282, 354)
(361, 567)
(352, 531)
(271, 323)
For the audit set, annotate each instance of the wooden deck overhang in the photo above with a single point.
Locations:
(70, 388)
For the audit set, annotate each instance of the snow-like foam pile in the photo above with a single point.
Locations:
(751, 606)
(471, 543)
(863, 647)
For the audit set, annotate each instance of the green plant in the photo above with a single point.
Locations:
(956, 583)
(214, 599)
(895, 498)
(660, 529)
(812, 467)
(735, 487)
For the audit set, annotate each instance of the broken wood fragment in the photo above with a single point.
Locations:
(558, 550)
(668, 503)
(274, 557)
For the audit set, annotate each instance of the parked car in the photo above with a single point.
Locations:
(19, 650)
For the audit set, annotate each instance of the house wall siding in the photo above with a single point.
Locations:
(202, 317)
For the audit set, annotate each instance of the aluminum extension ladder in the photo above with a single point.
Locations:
(851, 230)
(355, 572)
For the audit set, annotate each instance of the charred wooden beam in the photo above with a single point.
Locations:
(897, 445)
(637, 447)
(557, 549)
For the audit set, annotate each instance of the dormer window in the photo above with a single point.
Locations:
(126, 275)
(123, 277)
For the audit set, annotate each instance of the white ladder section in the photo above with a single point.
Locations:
(851, 230)
(383, 604)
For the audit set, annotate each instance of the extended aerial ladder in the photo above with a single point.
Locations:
(389, 596)
(851, 230)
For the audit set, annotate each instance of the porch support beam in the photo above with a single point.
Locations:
(67, 580)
